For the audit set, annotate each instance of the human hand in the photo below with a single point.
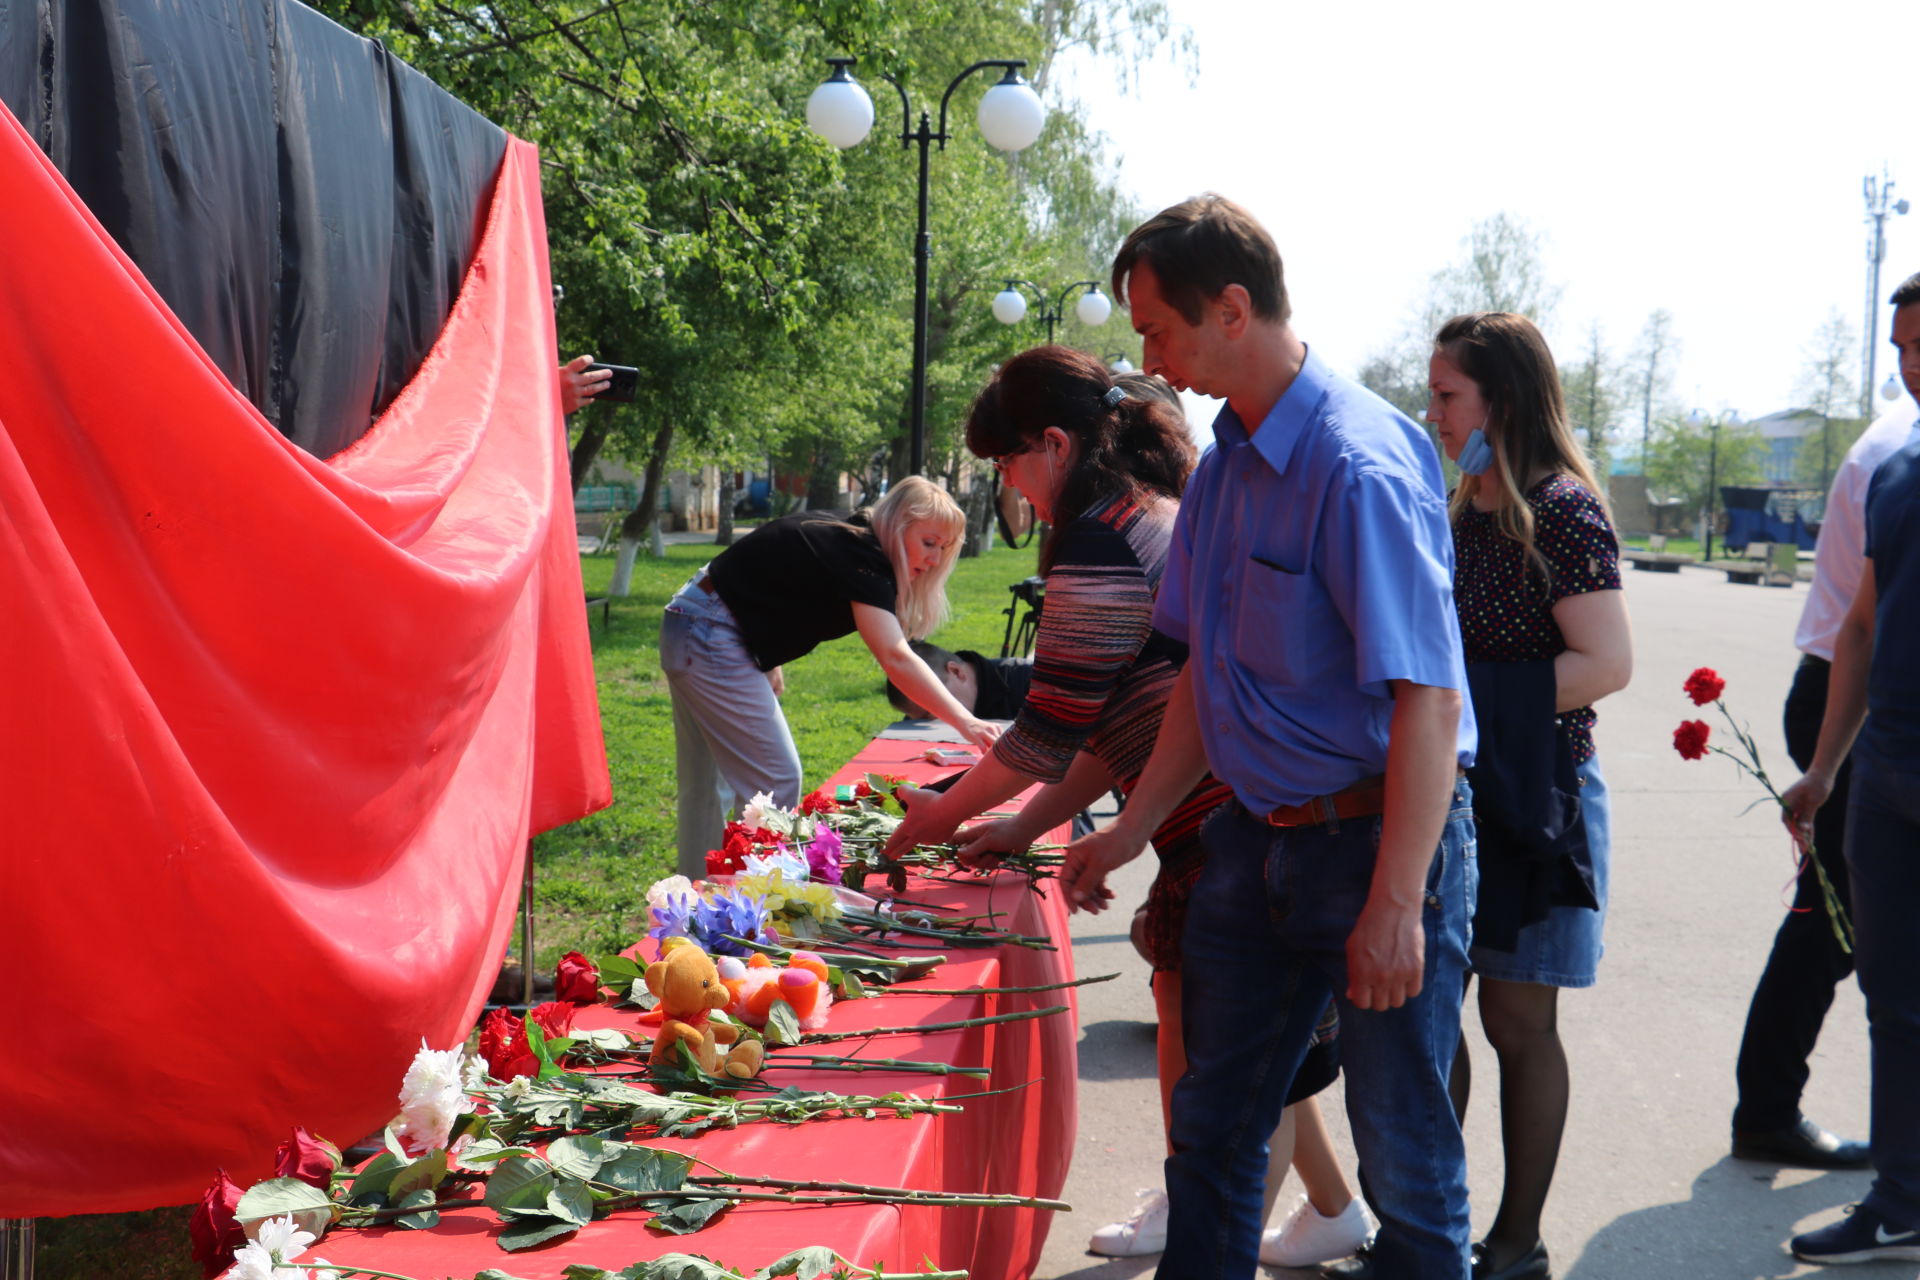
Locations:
(1386, 956)
(981, 733)
(578, 385)
(1089, 860)
(778, 679)
(925, 822)
(982, 844)
(1799, 802)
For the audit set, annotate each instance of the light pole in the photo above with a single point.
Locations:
(1879, 203)
(1010, 305)
(1713, 471)
(1010, 117)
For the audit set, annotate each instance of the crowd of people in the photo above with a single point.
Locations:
(1352, 714)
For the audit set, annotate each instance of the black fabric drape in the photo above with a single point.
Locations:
(305, 203)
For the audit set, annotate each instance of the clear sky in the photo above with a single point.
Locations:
(1702, 157)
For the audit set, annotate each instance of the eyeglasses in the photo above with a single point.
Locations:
(1003, 463)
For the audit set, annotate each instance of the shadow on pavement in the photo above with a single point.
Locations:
(1734, 1227)
(1112, 1268)
(1119, 1049)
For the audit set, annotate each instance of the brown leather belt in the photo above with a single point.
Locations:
(1361, 800)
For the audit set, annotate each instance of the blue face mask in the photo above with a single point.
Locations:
(1476, 455)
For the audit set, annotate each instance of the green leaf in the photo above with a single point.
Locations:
(805, 1263)
(581, 1271)
(529, 1232)
(684, 1266)
(277, 1197)
(688, 1216)
(425, 1200)
(604, 1038)
(570, 1200)
(373, 1180)
(495, 1273)
(642, 995)
(488, 1150)
(783, 1024)
(616, 969)
(577, 1157)
(429, 1170)
(848, 982)
(635, 1170)
(520, 1186)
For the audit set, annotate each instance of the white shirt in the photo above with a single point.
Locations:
(1839, 557)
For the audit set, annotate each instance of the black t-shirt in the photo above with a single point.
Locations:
(792, 583)
(1892, 732)
(1002, 682)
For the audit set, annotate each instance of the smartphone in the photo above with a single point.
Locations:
(950, 755)
(624, 384)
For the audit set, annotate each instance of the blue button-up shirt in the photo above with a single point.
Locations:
(1311, 564)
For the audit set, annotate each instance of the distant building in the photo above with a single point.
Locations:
(1784, 433)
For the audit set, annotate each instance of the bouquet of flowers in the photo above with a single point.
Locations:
(1693, 740)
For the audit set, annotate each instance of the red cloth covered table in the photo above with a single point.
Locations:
(1017, 1142)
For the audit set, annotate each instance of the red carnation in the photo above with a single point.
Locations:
(862, 789)
(576, 980)
(310, 1159)
(819, 801)
(216, 1232)
(553, 1017)
(1690, 739)
(1704, 686)
(503, 1043)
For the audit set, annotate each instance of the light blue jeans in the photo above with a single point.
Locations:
(729, 736)
(1265, 945)
(1564, 949)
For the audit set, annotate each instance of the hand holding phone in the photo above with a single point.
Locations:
(623, 384)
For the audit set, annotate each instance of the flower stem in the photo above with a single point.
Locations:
(824, 1037)
(996, 991)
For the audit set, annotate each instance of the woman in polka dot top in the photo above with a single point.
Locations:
(1536, 580)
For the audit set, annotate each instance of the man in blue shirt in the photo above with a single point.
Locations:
(1874, 681)
(1311, 573)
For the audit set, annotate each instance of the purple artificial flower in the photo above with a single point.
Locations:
(673, 916)
(728, 915)
(823, 856)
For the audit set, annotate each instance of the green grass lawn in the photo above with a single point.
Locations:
(591, 877)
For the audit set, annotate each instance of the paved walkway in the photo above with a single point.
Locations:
(1646, 1190)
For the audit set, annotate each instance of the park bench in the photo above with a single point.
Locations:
(1656, 558)
(1752, 573)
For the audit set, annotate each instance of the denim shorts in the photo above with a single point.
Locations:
(1564, 949)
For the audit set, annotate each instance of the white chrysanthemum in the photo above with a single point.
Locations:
(323, 1273)
(755, 814)
(283, 1238)
(431, 1099)
(664, 891)
(473, 1074)
(252, 1262)
(786, 863)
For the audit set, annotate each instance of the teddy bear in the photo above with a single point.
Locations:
(688, 986)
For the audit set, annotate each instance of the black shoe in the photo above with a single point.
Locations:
(1358, 1267)
(1531, 1265)
(1862, 1236)
(1804, 1145)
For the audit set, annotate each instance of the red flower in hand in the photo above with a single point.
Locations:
(216, 1233)
(576, 981)
(310, 1159)
(1704, 686)
(1690, 739)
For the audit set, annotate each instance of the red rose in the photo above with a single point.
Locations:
(310, 1159)
(818, 801)
(576, 980)
(738, 844)
(553, 1017)
(720, 863)
(215, 1231)
(1690, 739)
(503, 1043)
(1704, 686)
(862, 789)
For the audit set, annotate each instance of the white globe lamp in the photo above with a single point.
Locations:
(1121, 365)
(1093, 308)
(840, 110)
(1890, 389)
(1011, 114)
(1009, 307)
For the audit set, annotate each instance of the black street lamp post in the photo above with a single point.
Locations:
(1010, 305)
(1010, 118)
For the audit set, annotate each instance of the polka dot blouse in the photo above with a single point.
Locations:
(1506, 606)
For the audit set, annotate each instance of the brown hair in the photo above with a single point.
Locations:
(1509, 361)
(1199, 247)
(1130, 445)
(1907, 293)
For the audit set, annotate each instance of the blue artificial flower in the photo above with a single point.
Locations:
(673, 916)
(727, 915)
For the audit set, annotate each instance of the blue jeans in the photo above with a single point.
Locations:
(1883, 854)
(730, 739)
(1265, 945)
(1564, 949)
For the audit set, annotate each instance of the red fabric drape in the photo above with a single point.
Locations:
(274, 730)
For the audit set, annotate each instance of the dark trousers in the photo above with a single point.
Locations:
(1796, 987)
(1883, 837)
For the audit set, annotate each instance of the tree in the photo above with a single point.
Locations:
(1688, 459)
(1651, 368)
(1826, 386)
(1594, 399)
(1500, 270)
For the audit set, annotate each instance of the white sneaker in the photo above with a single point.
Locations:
(1308, 1237)
(1144, 1231)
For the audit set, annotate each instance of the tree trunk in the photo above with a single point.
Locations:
(978, 504)
(641, 518)
(823, 484)
(723, 526)
(598, 422)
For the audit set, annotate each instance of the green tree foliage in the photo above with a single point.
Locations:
(1595, 396)
(1827, 385)
(1650, 373)
(1686, 457)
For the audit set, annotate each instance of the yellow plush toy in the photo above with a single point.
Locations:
(689, 990)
